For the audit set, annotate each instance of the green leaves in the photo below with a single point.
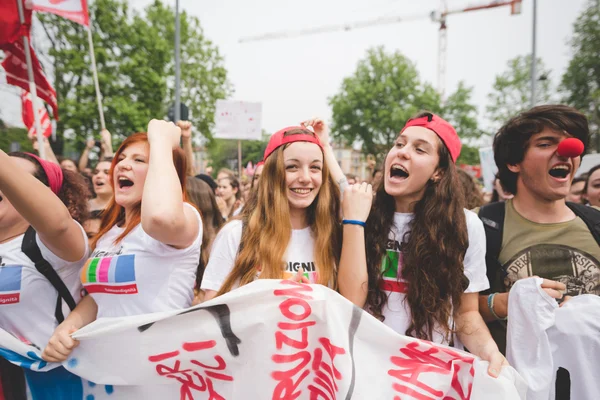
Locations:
(383, 93)
(14, 135)
(581, 81)
(135, 59)
(512, 90)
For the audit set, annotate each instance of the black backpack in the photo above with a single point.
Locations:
(32, 250)
(492, 216)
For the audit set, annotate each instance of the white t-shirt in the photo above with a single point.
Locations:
(299, 254)
(27, 298)
(554, 347)
(140, 275)
(396, 311)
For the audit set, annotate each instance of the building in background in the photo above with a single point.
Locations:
(351, 160)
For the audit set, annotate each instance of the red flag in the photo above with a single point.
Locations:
(10, 25)
(75, 10)
(16, 73)
(28, 119)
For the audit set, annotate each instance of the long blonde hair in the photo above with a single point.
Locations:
(267, 228)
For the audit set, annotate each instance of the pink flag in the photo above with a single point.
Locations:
(28, 120)
(75, 10)
(250, 168)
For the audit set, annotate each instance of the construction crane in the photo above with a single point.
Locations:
(435, 16)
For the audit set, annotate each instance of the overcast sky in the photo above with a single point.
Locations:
(293, 78)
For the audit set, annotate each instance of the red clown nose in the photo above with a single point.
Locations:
(571, 148)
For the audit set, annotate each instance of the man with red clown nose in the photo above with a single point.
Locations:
(538, 233)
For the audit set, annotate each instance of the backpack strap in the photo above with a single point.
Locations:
(32, 250)
(590, 216)
(492, 216)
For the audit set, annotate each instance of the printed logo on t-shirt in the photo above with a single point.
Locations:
(578, 270)
(310, 271)
(391, 262)
(112, 275)
(10, 284)
(107, 253)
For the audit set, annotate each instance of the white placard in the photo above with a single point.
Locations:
(238, 120)
(488, 167)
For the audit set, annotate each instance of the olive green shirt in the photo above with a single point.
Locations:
(565, 252)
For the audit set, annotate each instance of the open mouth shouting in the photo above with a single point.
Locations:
(560, 172)
(398, 173)
(124, 183)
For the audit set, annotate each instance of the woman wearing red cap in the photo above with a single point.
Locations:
(39, 206)
(289, 229)
(415, 258)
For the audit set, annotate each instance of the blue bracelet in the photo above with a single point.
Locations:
(353, 222)
(490, 303)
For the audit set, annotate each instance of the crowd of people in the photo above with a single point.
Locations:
(417, 245)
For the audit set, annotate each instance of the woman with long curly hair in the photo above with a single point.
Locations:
(415, 258)
(289, 227)
(41, 208)
(146, 253)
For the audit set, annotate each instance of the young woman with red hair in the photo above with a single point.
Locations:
(147, 250)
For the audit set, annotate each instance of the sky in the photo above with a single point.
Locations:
(294, 78)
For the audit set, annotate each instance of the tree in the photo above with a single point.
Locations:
(9, 135)
(383, 93)
(581, 81)
(469, 155)
(135, 60)
(375, 102)
(223, 151)
(512, 90)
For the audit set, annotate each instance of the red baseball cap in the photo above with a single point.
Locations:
(442, 128)
(279, 139)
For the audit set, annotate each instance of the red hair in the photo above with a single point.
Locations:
(114, 213)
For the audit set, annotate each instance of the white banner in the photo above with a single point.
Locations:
(276, 340)
(238, 120)
(556, 348)
(488, 167)
(75, 10)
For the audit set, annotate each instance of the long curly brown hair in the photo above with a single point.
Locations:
(433, 253)
(74, 192)
(267, 227)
